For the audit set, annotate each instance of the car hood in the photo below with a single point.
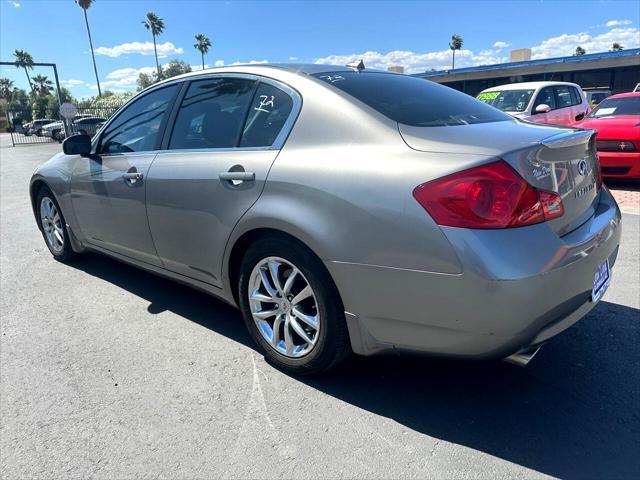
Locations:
(493, 139)
(615, 128)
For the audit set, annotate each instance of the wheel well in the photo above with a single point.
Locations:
(33, 191)
(246, 240)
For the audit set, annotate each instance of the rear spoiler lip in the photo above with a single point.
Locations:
(568, 138)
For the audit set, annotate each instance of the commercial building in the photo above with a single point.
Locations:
(617, 71)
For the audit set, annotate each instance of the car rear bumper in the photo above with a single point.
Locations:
(519, 288)
(619, 164)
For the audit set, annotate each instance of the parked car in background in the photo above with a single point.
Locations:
(617, 122)
(596, 95)
(55, 130)
(36, 126)
(88, 125)
(343, 210)
(557, 103)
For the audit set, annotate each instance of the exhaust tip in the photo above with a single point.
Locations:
(523, 358)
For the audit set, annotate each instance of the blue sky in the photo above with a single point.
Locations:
(413, 34)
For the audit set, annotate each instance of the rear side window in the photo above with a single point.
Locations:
(268, 113)
(212, 113)
(563, 96)
(411, 100)
(545, 97)
(576, 99)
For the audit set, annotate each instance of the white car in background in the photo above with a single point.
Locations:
(558, 103)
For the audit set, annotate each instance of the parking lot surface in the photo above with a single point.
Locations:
(110, 372)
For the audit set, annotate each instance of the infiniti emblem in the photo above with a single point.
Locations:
(582, 167)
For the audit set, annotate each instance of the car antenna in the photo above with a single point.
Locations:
(357, 64)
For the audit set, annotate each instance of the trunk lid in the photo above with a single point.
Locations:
(561, 160)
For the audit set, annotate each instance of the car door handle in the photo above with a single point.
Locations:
(132, 177)
(238, 176)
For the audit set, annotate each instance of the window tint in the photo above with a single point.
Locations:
(136, 128)
(212, 113)
(576, 99)
(546, 97)
(269, 111)
(563, 96)
(411, 100)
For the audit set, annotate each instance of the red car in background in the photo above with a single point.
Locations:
(617, 121)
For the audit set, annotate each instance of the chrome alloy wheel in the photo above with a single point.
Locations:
(284, 307)
(52, 224)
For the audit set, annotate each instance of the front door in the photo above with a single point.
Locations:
(108, 191)
(225, 138)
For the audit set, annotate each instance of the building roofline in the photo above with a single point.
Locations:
(533, 63)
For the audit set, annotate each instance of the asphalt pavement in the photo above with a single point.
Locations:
(110, 372)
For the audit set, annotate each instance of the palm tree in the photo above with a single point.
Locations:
(84, 5)
(24, 60)
(43, 86)
(579, 51)
(156, 25)
(6, 89)
(203, 44)
(455, 44)
(616, 47)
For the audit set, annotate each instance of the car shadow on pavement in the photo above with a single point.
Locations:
(574, 412)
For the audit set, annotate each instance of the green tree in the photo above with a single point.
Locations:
(202, 45)
(455, 44)
(175, 68)
(6, 89)
(42, 85)
(24, 60)
(85, 4)
(616, 47)
(156, 25)
(146, 80)
(579, 51)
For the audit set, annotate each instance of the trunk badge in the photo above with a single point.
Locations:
(583, 167)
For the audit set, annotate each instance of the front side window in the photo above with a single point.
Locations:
(507, 100)
(563, 96)
(212, 113)
(269, 111)
(545, 97)
(137, 128)
(412, 101)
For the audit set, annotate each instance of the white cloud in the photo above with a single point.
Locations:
(565, 44)
(16, 4)
(73, 83)
(140, 48)
(562, 45)
(618, 23)
(416, 62)
(293, 59)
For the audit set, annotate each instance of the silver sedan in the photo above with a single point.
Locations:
(343, 210)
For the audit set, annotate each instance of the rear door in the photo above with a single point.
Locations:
(565, 105)
(218, 150)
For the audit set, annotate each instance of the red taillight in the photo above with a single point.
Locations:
(489, 196)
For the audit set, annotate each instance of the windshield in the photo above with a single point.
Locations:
(507, 100)
(613, 107)
(412, 101)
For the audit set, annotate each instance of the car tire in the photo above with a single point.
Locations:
(53, 226)
(330, 339)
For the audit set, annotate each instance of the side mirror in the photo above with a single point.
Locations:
(77, 145)
(543, 108)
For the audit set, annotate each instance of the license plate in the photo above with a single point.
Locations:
(600, 281)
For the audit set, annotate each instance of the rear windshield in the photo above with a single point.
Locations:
(411, 100)
(613, 107)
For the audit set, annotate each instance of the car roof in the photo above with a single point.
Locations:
(273, 69)
(527, 86)
(623, 95)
